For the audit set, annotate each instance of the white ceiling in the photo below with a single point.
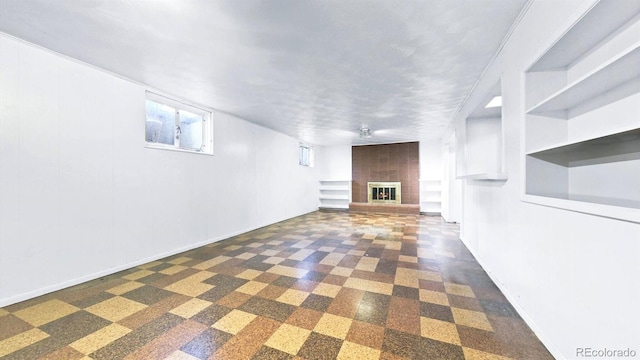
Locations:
(312, 69)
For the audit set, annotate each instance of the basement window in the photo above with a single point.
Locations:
(172, 125)
(306, 155)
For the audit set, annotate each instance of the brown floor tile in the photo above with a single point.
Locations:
(304, 318)
(404, 315)
(75, 326)
(148, 295)
(431, 285)
(319, 346)
(401, 344)
(373, 308)
(268, 308)
(211, 314)
(233, 299)
(11, 325)
(267, 278)
(92, 300)
(435, 311)
(406, 292)
(247, 342)
(346, 302)
(65, 353)
(266, 352)
(334, 279)
(366, 334)
(272, 292)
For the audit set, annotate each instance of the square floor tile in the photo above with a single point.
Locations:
(288, 338)
(353, 351)
(20, 341)
(471, 318)
(366, 334)
(45, 312)
(99, 338)
(74, 326)
(327, 290)
(147, 295)
(234, 321)
(252, 287)
(268, 308)
(293, 297)
(190, 308)
(116, 309)
(319, 346)
(332, 325)
(458, 289)
(124, 288)
(439, 330)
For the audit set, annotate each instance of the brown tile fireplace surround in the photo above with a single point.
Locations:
(386, 163)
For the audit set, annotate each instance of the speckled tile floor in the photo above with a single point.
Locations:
(324, 285)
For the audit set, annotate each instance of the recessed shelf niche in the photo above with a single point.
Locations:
(480, 144)
(582, 123)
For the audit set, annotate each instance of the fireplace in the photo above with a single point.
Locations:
(384, 193)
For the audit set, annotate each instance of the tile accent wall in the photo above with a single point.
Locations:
(388, 162)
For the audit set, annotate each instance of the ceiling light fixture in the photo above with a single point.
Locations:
(495, 102)
(365, 132)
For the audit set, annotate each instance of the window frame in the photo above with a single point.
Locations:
(207, 124)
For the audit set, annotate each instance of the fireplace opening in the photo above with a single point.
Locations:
(384, 192)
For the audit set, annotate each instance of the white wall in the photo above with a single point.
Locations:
(334, 162)
(431, 160)
(81, 197)
(572, 276)
(451, 187)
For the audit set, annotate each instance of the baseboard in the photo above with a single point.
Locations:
(112, 270)
(546, 341)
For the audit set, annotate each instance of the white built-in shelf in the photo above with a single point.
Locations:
(333, 206)
(588, 205)
(586, 135)
(334, 197)
(614, 147)
(430, 196)
(623, 69)
(604, 19)
(334, 194)
(485, 176)
(332, 187)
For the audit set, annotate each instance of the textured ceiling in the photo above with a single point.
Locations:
(313, 69)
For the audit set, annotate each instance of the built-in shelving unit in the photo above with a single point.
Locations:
(335, 194)
(582, 130)
(479, 142)
(431, 196)
(594, 87)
